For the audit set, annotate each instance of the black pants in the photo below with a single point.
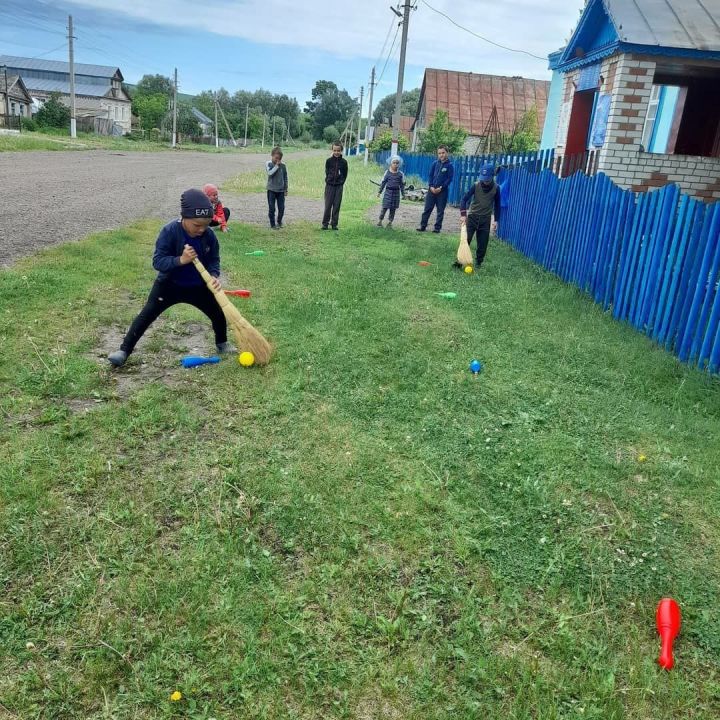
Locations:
(434, 202)
(226, 212)
(391, 216)
(333, 201)
(480, 228)
(273, 198)
(166, 294)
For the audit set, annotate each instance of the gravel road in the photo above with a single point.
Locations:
(52, 197)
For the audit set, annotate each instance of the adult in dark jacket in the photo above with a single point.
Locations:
(479, 205)
(441, 175)
(336, 172)
(178, 244)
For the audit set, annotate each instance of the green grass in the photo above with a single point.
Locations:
(28, 141)
(361, 529)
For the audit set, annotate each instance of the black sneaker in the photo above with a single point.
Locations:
(324, 227)
(420, 229)
(436, 231)
(118, 358)
(335, 228)
(279, 225)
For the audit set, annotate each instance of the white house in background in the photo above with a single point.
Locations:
(639, 84)
(98, 88)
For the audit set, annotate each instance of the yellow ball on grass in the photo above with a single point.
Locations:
(246, 359)
(469, 269)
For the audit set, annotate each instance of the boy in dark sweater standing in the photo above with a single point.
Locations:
(277, 186)
(441, 175)
(336, 172)
(477, 208)
(179, 243)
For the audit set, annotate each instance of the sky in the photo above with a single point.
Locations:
(285, 46)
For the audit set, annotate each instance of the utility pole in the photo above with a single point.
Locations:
(174, 131)
(73, 124)
(273, 142)
(7, 100)
(217, 139)
(247, 115)
(368, 134)
(401, 74)
(362, 94)
(264, 122)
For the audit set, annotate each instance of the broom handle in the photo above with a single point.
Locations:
(220, 296)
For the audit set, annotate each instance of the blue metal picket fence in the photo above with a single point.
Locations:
(654, 258)
(467, 167)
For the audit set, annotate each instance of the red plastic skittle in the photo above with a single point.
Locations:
(667, 620)
(238, 293)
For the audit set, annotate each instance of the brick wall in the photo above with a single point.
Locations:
(630, 80)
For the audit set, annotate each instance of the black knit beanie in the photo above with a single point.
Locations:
(195, 204)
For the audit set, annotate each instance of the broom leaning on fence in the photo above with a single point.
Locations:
(246, 336)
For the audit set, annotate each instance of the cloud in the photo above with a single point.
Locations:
(357, 29)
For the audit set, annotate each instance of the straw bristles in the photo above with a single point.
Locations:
(247, 338)
(464, 253)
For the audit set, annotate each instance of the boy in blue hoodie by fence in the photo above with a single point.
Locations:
(441, 175)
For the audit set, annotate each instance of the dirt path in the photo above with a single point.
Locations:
(52, 197)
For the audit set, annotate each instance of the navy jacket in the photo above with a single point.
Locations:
(441, 174)
(169, 247)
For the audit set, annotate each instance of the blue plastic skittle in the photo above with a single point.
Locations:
(475, 367)
(191, 361)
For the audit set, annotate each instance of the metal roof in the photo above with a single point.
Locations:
(63, 87)
(204, 119)
(22, 63)
(689, 24)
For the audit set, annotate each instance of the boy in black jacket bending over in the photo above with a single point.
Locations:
(179, 243)
(336, 172)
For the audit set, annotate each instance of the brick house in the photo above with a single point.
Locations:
(98, 88)
(639, 83)
(469, 99)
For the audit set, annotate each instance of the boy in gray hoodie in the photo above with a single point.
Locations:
(277, 186)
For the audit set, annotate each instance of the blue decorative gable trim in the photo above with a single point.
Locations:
(594, 38)
(597, 38)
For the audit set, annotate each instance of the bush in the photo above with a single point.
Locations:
(330, 134)
(384, 142)
(53, 113)
(28, 124)
(442, 132)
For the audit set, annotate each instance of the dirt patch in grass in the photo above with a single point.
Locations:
(156, 358)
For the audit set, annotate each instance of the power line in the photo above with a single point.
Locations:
(392, 47)
(480, 37)
(387, 37)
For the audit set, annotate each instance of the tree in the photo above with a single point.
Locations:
(442, 132)
(154, 85)
(321, 87)
(526, 135)
(384, 142)
(53, 113)
(386, 107)
(151, 109)
(331, 134)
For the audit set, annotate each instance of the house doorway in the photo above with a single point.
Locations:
(579, 124)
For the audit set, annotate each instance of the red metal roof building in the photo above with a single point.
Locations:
(469, 98)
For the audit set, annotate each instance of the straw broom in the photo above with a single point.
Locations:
(246, 336)
(464, 254)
